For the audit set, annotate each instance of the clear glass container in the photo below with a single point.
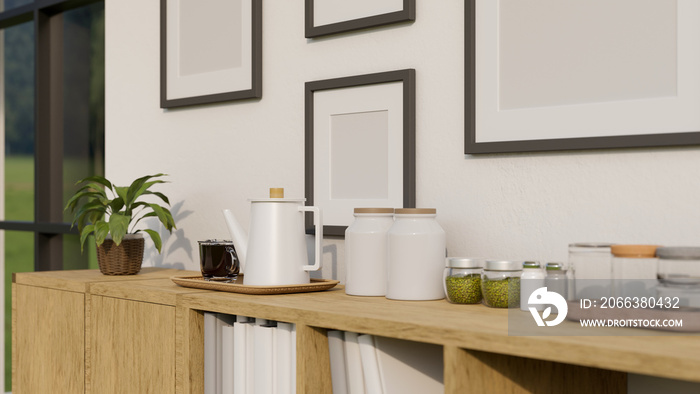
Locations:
(556, 280)
(500, 283)
(589, 270)
(679, 274)
(531, 279)
(634, 270)
(462, 280)
(679, 266)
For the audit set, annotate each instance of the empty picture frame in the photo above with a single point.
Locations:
(542, 76)
(360, 145)
(325, 17)
(210, 51)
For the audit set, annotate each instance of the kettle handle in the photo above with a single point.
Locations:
(318, 229)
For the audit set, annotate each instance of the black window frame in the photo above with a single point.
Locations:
(48, 225)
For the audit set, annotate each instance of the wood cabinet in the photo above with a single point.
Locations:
(147, 336)
(73, 334)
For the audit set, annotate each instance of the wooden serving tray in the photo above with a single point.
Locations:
(238, 286)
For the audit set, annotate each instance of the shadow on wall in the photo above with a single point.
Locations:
(331, 250)
(171, 242)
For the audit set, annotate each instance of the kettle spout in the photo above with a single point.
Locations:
(240, 237)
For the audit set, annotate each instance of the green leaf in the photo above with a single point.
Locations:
(101, 231)
(88, 210)
(155, 237)
(164, 216)
(148, 215)
(117, 204)
(118, 225)
(121, 192)
(138, 186)
(159, 194)
(98, 179)
(84, 233)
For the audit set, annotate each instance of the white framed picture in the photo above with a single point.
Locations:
(360, 145)
(324, 17)
(546, 75)
(211, 51)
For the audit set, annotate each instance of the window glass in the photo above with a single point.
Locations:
(18, 83)
(10, 4)
(83, 96)
(73, 259)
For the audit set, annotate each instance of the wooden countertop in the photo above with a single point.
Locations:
(474, 327)
(80, 280)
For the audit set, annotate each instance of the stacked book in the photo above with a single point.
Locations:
(368, 364)
(244, 355)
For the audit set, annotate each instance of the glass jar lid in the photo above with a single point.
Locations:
(532, 265)
(503, 265)
(678, 252)
(592, 245)
(554, 266)
(464, 262)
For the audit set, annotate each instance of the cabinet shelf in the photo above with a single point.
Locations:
(64, 322)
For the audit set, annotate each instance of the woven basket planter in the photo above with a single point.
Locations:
(122, 259)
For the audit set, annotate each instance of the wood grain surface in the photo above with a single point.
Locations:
(474, 327)
(47, 340)
(132, 346)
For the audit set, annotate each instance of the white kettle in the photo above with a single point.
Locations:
(275, 253)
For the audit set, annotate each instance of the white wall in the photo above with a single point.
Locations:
(515, 206)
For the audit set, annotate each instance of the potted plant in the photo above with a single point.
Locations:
(111, 213)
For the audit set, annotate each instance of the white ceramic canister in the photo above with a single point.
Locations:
(366, 251)
(416, 256)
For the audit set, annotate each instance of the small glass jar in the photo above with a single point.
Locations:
(531, 279)
(556, 280)
(634, 270)
(462, 280)
(500, 283)
(679, 274)
(590, 270)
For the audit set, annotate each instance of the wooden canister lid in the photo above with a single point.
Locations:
(640, 251)
(416, 211)
(374, 210)
(276, 192)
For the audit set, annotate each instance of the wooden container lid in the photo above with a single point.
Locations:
(640, 251)
(374, 210)
(416, 211)
(276, 192)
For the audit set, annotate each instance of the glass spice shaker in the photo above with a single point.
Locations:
(556, 279)
(462, 280)
(531, 279)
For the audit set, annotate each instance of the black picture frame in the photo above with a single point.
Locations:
(407, 13)
(254, 92)
(471, 146)
(407, 78)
